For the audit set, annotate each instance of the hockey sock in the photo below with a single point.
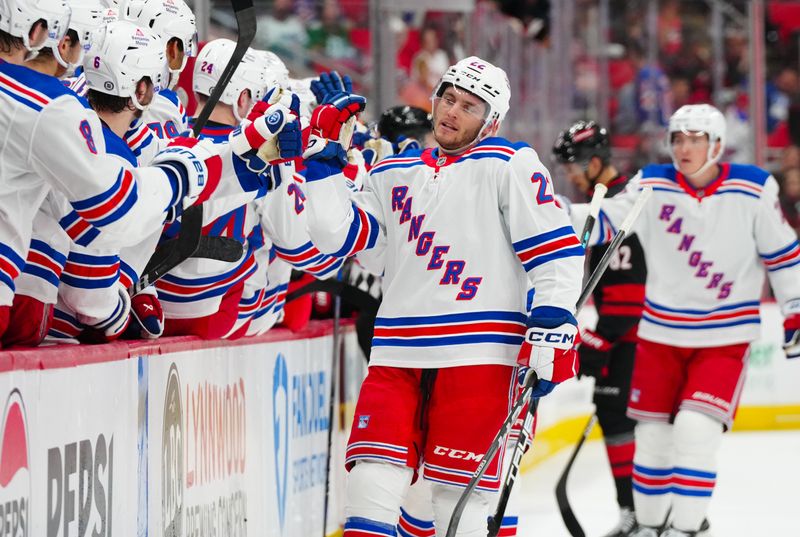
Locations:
(652, 472)
(620, 450)
(416, 515)
(697, 439)
(375, 491)
(474, 517)
(410, 526)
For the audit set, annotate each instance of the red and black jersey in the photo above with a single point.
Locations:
(619, 295)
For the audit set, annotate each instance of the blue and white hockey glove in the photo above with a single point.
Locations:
(330, 84)
(548, 351)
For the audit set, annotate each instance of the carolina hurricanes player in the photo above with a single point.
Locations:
(469, 227)
(607, 351)
(125, 205)
(175, 23)
(709, 232)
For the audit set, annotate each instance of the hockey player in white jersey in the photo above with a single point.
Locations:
(127, 66)
(709, 232)
(201, 297)
(37, 285)
(175, 23)
(469, 227)
(45, 115)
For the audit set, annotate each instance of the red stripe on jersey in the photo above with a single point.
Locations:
(25, 91)
(78, 228)
(9, 268)
(108, 206)
(363, 232)
(91, 271)
(711, 317)
(38, 258)
(439, 330)
(794, 253)
(564, 242)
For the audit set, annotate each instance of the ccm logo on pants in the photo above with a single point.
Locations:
(457, 454)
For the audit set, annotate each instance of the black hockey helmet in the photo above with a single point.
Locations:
(582, 141)
(408, 121)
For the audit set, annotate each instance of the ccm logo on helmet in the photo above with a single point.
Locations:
(458, 454)
(554, 338)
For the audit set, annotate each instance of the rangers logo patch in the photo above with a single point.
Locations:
(363, 422)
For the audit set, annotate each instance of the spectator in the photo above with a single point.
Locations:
(790, 158)
(780, 93)
(670, 39)
(431, 61)
(330, 33)
(282, 32)
(790, 197)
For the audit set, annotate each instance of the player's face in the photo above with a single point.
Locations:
(458, 117)
(690, 151)
(577, 176)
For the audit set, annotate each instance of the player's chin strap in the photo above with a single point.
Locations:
(175, 74)
(710, 160)
(488, 125)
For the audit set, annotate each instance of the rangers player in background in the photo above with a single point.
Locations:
(606, 352)
(709, 232)
(125, 205)
(469, 227)
(175, 23)
(37, 286)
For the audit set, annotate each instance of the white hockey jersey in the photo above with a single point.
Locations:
(166, 116)
(465, 237)
(706, 252)
(57, 143)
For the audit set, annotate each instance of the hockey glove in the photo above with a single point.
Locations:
(355, 172)
(276, 95)
(549, 349)
(404, 144)
(147, 317)
(593, 353)
(361, 135)
(330, 84)
(286, 144)
(332, 128)
(791, 329)
(191, 166)
(111, 327)
(375, 150)
(252, 135)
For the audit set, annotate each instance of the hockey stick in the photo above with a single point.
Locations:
(594, 210)
(189, 237)
(496, 521)
(499, 439)
(567, 515)
(337, 312)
